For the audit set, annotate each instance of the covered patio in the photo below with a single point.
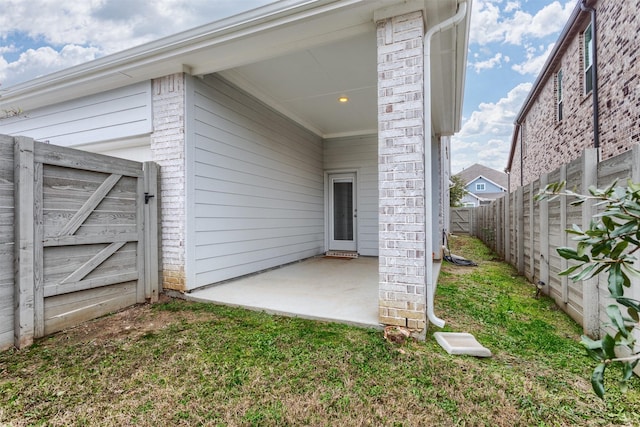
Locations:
(319, 288)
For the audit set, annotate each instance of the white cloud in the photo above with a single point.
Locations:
(7, 49)
(511, 6)
(485, 136)
(495, 61)
(533, 63)
(512, 25)
(550, 19)
(36, 62)
(485, 24)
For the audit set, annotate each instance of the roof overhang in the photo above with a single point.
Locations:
(248, 41)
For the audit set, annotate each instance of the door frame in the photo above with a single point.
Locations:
(327, 205)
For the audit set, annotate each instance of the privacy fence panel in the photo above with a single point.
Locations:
(526, 232)
(617, 169)
(84, 248)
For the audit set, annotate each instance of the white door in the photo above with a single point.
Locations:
(342, 212)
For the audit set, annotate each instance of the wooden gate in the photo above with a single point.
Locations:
(86, 230)
(461, 220)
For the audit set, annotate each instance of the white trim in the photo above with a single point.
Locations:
(486, 179)
(398, 9)
(363, 132)
(327, 214)
(189, 182)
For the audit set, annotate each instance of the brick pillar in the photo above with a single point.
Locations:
(168, 150)
(401, 171)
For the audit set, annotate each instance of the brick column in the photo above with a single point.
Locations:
(168, 150)
(401, 171)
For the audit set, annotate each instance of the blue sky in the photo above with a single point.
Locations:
(509, 42)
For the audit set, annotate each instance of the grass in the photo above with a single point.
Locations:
(180, 363)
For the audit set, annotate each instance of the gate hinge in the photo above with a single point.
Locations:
(147, 196)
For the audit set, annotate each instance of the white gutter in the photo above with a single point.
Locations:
(428, 193)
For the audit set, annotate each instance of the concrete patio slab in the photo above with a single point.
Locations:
(320, 288)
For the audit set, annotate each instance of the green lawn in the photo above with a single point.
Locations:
(180, 363)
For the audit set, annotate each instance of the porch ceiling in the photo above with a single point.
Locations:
(306, 85)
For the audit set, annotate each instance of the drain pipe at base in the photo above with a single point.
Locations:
(428, 194)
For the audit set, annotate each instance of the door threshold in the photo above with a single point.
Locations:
(341, 254)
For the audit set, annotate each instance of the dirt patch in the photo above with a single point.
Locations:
(458, 270)
(128, 323)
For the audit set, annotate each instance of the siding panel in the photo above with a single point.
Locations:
(258, 185)
(119, 113)
(360, 154)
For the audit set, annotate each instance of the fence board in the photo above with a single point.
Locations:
(24, 254)
(6, 242)
(63, 311)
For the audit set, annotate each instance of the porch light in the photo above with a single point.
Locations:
(343, 99)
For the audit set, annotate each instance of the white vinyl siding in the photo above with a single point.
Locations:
(115, 114)
(359, 154)
(258, 185)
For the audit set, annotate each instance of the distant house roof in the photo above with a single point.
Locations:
(477, 170)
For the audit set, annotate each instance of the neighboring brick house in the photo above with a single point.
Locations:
(248, 121)
(587, 95)
(483, 184)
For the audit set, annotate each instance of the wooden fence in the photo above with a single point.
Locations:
(78, 237)
(526, 233)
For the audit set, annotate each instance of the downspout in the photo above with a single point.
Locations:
(594, 78)
(428, 194)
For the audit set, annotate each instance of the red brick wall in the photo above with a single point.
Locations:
(549, 143)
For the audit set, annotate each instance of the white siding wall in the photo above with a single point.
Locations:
(115, 114)
(359, 154)
(259, 185)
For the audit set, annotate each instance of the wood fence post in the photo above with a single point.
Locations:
(543, 210)
(532, 223)
(590, 292)
(500, 213)
(507, 227)
(634, 289)
(151, 254)
(513, 256)
(519, 222)
(564, 280)
(24, 310)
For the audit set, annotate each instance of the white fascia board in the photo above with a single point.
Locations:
(488, 180)
(399, 9)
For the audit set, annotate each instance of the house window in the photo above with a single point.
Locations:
(588, 60)
(559, 95)
(480, 186)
